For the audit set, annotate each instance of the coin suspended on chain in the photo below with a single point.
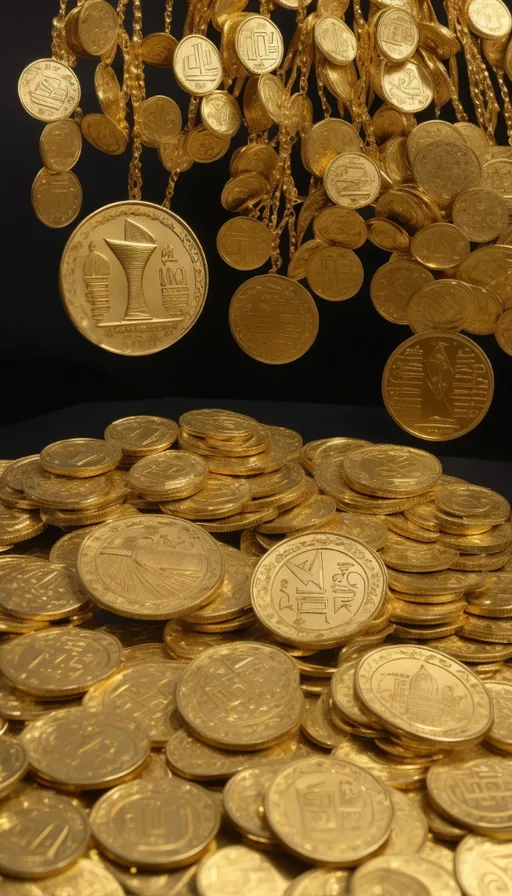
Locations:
(258, 44)
(56, 197)
(60, 145)
(197, 65)
(104, 134)
(334, 273)
(133, 278)
(160, 120)
(220, 113)
(352, 180)
(49, 90)
(393, 286)
(244, 243)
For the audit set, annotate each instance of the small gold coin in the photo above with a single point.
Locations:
(243, 799)
(63, 492)
(474, 137)
(65, 550)
(481, 214)
(217, 423)
(56, 198)
(381, 765)
(352, 180)
(41, 833)
(489, 19)
(496, 539)
(233, 597)
(108, 92)
(500, 734)
(410, 828)
(335, 40)
(391, 470)
(220, 113)
(14, 472)
(169, 475)
(191, 758)
(299, 260)
(346, 784)
(393, 286)
(440, 246)
(326, 140)
(469, 717)
(486, 311)
(48, 90)
(410, 556)
(318, 882)
(258, 44)
(13, 764)
(273, 319)
(443, 305)
(273, 97)
(173, 155)
(66, 748)
(340, 225)
(84, 877)
(104, 134)
(387, 235)
(220, 497)
(41, 590)
(189, 816)
(267, 675)
(142, 435)
(460, 790)
(445, 168)
(204, 147)
(197, 65)
(242, 866)
(397, 34)
(97, 26)
(419, 877)
(60, 145)
(313, 561)
(497, 631)
(407, 85)
(479, 860)
(244, 243)
(343, 696)
(466, 500)
(438, 412)
(80, 458)
(150, 567)
(490, 266)
(334, 273)
(59, 662)
(318, 724)
(472, 651)
(158, 49)
(315, 512)
(160, 120)
(504, 332)
(243, 191)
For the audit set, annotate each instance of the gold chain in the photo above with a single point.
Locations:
(60, 51)
(507, 106)
(137, 93)
(365, 52)
(168, 16)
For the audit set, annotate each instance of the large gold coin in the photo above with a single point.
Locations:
(189, 819)
(150, 567)
(440, 246)
(13, 763)
(440, 362)
(84, 878)
(479, 860)
(389, 679)
(462, 791)
(60, 145)
(41, 590)
(160, 120)
(220, 113)
(407, 86)
(342, 786)
(56, 198)
(197, 65)
(335, 40)
(443, 305)
(68, 748)
(41, 833)
(142, 435)
(80, 458)
(393, 286)
(445, 168)
(48, 90)
(335, 273)
(391, 471)
(318, 589)
(169, 475)
(104, 133)
(241, 867)
(427, 131)
(273, 319)
(258, 44)
(352, 180)
(133, 278)
(326, 140)
(489, 19)
(482, 214)
(244, 243)
(504, 331)
(267, 678)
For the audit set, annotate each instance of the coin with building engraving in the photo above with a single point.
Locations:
(258, 44)
(273, 319)
(67, 748)
(352, 180)
(244, 243)
(133, 278)
(474, 793)
(483, 861)
(150, 567)
(318, 589)
(13, 763)
(60, 145)
(197, 65)
(450, 378)
(59, 662)
(344, 790)
(56, 198)
(241, 696)
(334, 273)
(48, 90)
(122, 823)
(421, 693)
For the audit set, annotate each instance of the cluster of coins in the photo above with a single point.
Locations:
(182, 715)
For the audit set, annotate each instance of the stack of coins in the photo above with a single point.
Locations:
(322, 680)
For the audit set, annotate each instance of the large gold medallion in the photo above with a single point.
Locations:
(133, 278)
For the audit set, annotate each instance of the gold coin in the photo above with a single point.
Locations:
(340, 225)
(41, 590)
(419, 877)
(387, 770)
(312, 513)
(244, 243)
(60, 145)
(481, 214)
(406, 85)
(83, 878)
(56, 198)
(396, 34)
(395, 164)
(258, 44)
(202, 146)
(318, 882)
(158, 49)
(318, 725)
(150, 567)
(504, 332)
(79, 458)
(48, 90)
(490, 266)
(291, 442)
(273, 97)
(410, 556)
(352, 180)
(243, 867)
(468, 717)
(460, 790)
(370, 531)
(474, 137)
(243, 191)
(123, 295)
(496, 539)
(197, 65)
(299, 261)
(342, 784)
(233, 597)
(220, 497)
(428, 131)
(489, 18)
(13, 766)
(393, 286)
(218, 423)
(104, 134)
(486, 311)
(243, 798)
(500, 734)
(174, 156)
(445, 168)
(399, 523)
(472, 651)
(15, 470)
(405, 206)
(391, 470)
(160, 120)
(169, 475)
(466, 500)
(326, 140)
(439, 413)
(334, 273)
(97, 26)
(108, 92)
(314, 560)
(62, 492)
(65, 550)
(490, 630)
(142, 435)
(220, 113)
(66, 748)
(268, 677)
(59, 662)
(191, 758)
(479, 860)
(335, 40)
(387, 235)
(443, 305)
(343, 697)
(410, 829)
(41, 833)
(426, 614)
(437, 583)
(273, 319)
(255, 115)
(440, 246)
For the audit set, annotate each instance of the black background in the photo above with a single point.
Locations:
(46, 364)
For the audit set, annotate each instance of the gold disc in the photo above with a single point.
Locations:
(393, 286)
(273, 319)
(352, 180)
(104, 134)
(481, 214)
(141, 435)
(60, 145)
(108, 92)
(48, 90)
(158, 49)
(13, 763)
(427, 132)
(334, 273)
(133, 278)
(393, 23)
(326, 140)
(335, 40)
(479, 859)
(440, 246)
(407, 86)
(444, 169)
(203, 146)
(41, 590)
(97, 27)
(421, 877)
(504, 332)
(80, 458)
(197, 65)
(220, 113)
(220, 497)
(56, 198)
(391, 471)
(258, 44)
(471, 806)
(340, 225)
(491, 267)
(160, 120)
(485, 312)
(244, 243)
(241, 864)
(489, 19)
(438, 412)
(442, 305)
(169, 475)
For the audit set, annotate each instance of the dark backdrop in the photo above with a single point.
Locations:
(45, 363)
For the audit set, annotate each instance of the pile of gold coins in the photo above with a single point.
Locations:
(234, 663)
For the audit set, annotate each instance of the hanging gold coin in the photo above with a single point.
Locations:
(60, 145)
(104, 134)
(244, 243)
(56, 198)
(48, 90)
(197, 65)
